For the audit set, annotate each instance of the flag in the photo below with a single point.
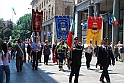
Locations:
(115, 22)
(71, 32)
(13, 11)
(110, 19)
(48, 34)
(84, 25)
(33, 35)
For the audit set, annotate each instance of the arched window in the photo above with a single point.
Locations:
(49, 13)
(52, 12)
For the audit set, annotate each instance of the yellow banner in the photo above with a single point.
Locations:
(93, 37)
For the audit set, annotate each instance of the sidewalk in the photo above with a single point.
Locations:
(50, 73)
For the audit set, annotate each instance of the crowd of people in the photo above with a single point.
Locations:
(61, 53)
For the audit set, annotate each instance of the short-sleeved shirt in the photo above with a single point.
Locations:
(47, 49)
(6, 60)
(34, 47)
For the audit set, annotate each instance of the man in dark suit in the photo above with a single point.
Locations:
(75, 60)
(20, 52)
(105, 55)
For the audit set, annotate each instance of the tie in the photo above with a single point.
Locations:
(106, 48)
(106, 51)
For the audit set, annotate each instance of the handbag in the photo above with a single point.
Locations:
(54, 59)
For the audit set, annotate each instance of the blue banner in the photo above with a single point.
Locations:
(62, 26)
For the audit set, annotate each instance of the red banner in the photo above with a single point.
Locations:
(94, 31)
(37, 20)
(94, 22)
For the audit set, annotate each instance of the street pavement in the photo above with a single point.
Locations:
(50, 73)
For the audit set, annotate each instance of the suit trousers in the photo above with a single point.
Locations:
(105, 73)
(88, 58)
(75, 68)
(35, 59)
(19, 63)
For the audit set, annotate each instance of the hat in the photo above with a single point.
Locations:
(76, 38)
(105, 39)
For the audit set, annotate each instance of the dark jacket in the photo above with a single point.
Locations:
(76, 55)
(105, 56)
(19, 52)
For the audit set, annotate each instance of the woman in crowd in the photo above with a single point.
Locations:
(7, 55)
(1, 62)
(46, 51)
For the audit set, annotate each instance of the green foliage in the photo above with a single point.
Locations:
(5, 29)
(22, 27)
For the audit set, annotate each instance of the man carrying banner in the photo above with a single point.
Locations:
(35, 46)
(75, 60)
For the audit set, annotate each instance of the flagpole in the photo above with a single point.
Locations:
(12, 16)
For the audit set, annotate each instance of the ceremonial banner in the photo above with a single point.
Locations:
(94, 30)
(37, 21)
(62, 26)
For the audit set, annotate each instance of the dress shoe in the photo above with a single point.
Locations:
(36, 68)
(108, 81)
(17, 70)
(102, 81)
(70, 81)
(21, 69)
(32, 68)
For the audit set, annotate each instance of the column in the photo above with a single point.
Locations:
(54, 32)
(79, 28)
(76, 25)
(97, 10)
(115, 29)
(90, 11)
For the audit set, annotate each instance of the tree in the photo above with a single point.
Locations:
(22, 27)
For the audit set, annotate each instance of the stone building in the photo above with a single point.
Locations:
(101, 7)
(52, 8)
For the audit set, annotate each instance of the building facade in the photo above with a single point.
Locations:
(52, 8)
(87, 8)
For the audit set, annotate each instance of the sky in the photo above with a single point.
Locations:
(20, 7)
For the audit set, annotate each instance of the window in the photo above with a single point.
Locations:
(40, 7)
(52, 12)
(46, 1)
(49, 14)
(42, 4)
(44, 15)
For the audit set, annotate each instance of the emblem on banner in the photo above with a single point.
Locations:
(63, 29)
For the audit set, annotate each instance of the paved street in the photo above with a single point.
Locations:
(50, 74)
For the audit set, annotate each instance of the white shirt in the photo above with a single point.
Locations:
(88, 50)
(1, 61)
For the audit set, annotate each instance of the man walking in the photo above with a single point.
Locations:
(61, 53)
(105, 55)
(75, 60)
(20, 52)
(35, 46)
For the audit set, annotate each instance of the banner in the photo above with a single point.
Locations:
(62, 26)
(37, 21)
(94, 30)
